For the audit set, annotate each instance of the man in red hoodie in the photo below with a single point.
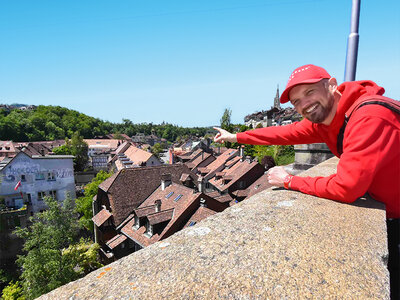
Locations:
(369, 155)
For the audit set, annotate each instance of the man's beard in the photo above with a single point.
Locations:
(320, 113)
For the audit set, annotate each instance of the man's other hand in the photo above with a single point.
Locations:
(224, 136)
(276, 176)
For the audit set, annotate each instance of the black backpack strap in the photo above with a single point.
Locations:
(389, 105)
(339, 144)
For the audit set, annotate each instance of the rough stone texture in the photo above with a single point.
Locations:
(276, 245)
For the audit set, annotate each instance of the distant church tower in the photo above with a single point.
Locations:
(277, 104)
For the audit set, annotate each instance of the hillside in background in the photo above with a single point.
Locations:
(21, 123)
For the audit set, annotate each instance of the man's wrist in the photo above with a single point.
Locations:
(287, 181)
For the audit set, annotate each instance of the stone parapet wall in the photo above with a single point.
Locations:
(278, 244)
(309, 155)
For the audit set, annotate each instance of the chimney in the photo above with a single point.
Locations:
(165, 180)
(200, 183)
(158, 205)
(203, 202)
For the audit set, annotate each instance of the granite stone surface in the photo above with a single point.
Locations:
(278, 244)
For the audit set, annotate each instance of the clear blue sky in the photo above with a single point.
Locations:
(183, 62)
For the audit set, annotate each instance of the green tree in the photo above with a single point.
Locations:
(44, 267)
(157, 149)
(84, 204)
(13, 291)
(77, 147)
(85, 255)
(226, 120)
(282, 155)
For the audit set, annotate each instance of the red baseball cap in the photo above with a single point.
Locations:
(303, 74)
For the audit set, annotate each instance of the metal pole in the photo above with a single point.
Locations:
(352, 43)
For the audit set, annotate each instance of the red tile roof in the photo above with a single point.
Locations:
(218, 164)
(175, 201)
(101, 217)
(128, 188)
(200, 214)
(137, 156)
(233, 174)
(160, 216)
(144, 211)
(103, 143)
(116, 240)
(259, 185)
(198, 160)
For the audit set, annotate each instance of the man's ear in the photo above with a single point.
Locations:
(332, 84)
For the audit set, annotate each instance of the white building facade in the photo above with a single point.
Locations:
(36, 177)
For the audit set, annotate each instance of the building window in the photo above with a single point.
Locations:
(23, 177)
(53, 194)
(178, 197)
(51, 176)
(41, 195)
(39, 176)
(29, 198)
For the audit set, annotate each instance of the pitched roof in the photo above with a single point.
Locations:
(220, 198)
(106, 184)
(144, 211)
(259, 185)
(200, 214)
(116, 240)
(128, 188)
(233, 174)
(161, 216)
(198, 160)
(122, 148)
(175, 200)
(103, 143)
(101, 217)
(8, 147)
(217, 164)
(137, 156)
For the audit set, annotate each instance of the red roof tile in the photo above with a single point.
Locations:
(160, 216)
(101, 217)
(259, 185)
(233, 174)
(128, 188)
(200, 214)
(116, 240)
(218, 164)
(144, 211)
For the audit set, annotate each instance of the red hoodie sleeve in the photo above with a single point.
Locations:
(367, 140)
(302, 132)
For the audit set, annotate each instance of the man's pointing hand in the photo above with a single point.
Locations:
(224, 136)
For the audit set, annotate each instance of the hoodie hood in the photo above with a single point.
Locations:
(354, 90)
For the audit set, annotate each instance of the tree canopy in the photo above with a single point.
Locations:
(53, 256)
(77, 147)
(84, 204)
(56, 122)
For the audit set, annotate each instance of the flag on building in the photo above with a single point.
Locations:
(17, 185)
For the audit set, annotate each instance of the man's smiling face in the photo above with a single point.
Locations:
(314, 101)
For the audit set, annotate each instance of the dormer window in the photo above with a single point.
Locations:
(136, 225)
(149, 229)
